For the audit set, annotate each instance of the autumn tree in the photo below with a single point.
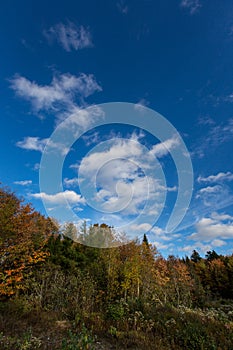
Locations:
(23, 236)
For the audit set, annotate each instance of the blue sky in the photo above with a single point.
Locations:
(61, 62)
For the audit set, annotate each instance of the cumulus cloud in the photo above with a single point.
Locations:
(23, 182)
(62, 90)
(221, 217)
(191, 5)
(122, 175)
(228, 176)
(60, 198)
(163, 148)
(213, 228)
(69, 36)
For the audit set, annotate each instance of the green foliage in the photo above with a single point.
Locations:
(116, 311)
(82, 340)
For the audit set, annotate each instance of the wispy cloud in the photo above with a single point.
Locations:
(213, 198)
(161, 235)
(208, 190)
(163, 148)
(122, 7)
(205, 120)
(62, 91)
(71, 182)
(32, 143)
(23, 182)
(91, 138)
(214, 137)
(139, 106)
(37, 144)
(228, 176)
(192, 6)
(69, 36)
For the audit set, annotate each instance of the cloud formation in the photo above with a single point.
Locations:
(121, 175)
(215, 136)
(139, 106)
(61, 198)
(33, 143)
(216, 227)
(37, 144)
(228, 176)
(163, 148)
(71, 182)
(62, 91)
(23, 182)
(69, 36)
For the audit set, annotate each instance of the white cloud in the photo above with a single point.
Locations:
(221, 217)
(37, 144)
(192, 5)
(91, 138)
(160, 245)
(33, 144)
(162, 235)
(23, 182)
(69, 36)
(122, 175)
(214, 197)
(121, 149)
(209, 190)
(203, 248)
(141, 227)
(213, 228)
(163, 148)
(218, 243)
(77, 118)
(206, 121)
(217, 178)
(71, 182)
(139, 106)
(61, 198)
(198, 246)
(36, 166)
(62, 90)
(214, 137)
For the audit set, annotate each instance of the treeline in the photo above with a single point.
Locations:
(129, 293)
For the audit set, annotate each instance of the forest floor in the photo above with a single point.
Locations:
(173, 329)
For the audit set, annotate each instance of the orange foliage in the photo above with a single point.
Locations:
(23, 236)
